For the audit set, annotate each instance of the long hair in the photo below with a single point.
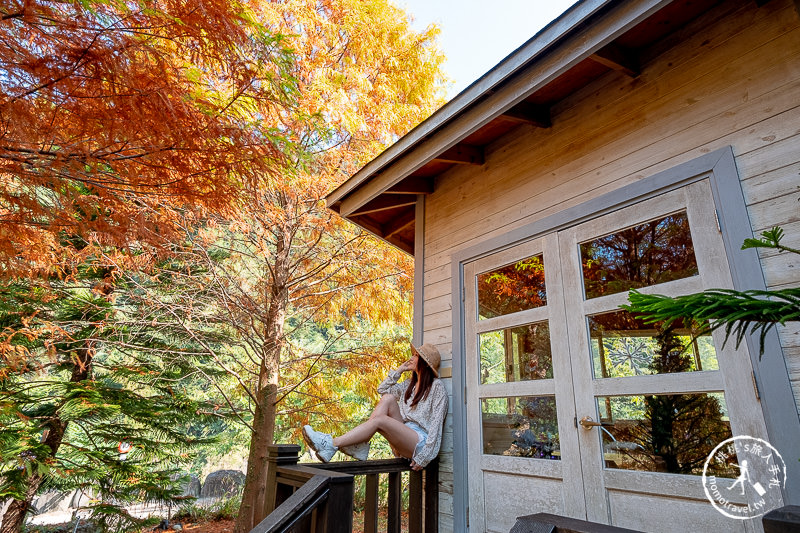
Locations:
(424, 376)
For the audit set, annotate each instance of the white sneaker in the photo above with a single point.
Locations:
(359, 452)
(321, 443)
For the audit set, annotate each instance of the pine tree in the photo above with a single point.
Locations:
(89, 367)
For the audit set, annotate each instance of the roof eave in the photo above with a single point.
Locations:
(537, 45)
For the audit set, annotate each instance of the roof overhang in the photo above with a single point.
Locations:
(587, 41)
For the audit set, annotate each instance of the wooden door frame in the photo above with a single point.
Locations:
(719, 167)
(559, 387)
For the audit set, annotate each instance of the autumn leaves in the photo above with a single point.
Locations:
(178, 154)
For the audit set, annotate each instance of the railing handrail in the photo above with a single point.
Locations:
(320, 495)
(359, 468)
(296, 507)
(314, 489)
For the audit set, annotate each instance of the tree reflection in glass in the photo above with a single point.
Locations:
(512, 288)
(654, 252)
(665, 432)
(623, 345)
(516, 354)
(524, 426)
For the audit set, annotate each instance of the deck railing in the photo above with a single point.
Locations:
(318, 497)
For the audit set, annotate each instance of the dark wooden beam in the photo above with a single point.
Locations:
(413, 186)
(368, 224)
(529, 113)
(407, 247)
(618, 58)
(400, 223)
(463, 154)
(384, 202)
(373, 227)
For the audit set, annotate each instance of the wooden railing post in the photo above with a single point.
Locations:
(337, 512)
(371, 503)
(431, 496)
(415, 501)
(278, 455)
(394, 502)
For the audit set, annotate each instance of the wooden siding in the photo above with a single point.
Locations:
(731, 77)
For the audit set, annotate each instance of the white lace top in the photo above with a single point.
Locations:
(429, 413)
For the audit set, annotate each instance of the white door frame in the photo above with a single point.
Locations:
(777, 401)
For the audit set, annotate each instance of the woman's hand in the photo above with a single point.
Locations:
(407, 366)
(415, 466)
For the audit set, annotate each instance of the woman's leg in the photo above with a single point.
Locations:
(402, 438)
(387, 405)
(386, 420)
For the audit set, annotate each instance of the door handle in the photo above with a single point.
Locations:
(588, 423)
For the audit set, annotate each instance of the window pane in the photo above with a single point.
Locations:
(625, 346)
(516, 354)
(521, 427)
(665, 433)
(512, 288)
(647, 254)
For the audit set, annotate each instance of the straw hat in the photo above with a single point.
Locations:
(430, 354)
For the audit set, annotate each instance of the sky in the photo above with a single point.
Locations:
(478, 34)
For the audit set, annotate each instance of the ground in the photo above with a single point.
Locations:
(216, 526)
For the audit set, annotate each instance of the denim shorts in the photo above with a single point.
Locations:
(423, 435)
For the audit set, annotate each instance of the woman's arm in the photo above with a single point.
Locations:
(390, 386)
(431, 448)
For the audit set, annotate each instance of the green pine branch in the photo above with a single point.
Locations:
(739, 312)
(770, 239)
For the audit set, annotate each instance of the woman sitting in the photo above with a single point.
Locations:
(409, 415)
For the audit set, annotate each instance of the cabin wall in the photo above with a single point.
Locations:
(731, 77)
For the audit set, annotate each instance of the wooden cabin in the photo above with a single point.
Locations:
(629, 144)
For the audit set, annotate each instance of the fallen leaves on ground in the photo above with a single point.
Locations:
(217, 526)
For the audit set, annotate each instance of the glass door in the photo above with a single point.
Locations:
(653, 400)
(574, 406)
(523, 449)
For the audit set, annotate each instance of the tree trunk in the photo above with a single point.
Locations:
(253, 507)
(14, 517)
(253, 504)
(15, 514)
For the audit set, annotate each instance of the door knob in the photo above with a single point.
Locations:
(587, 423)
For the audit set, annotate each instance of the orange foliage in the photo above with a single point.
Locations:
(364, 78)
(112, 114)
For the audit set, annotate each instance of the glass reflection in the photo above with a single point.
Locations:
(516, 354)
(672, 433)
(623, 345)
(512, 288)
(654, 252)
(524, 426)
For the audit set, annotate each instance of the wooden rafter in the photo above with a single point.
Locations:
(406, 246)
(413, 186)
(368, 224)
(529, 113)
(463, 154)
(400, 223)
(618, 58)
(374, 228)
(384, 202)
